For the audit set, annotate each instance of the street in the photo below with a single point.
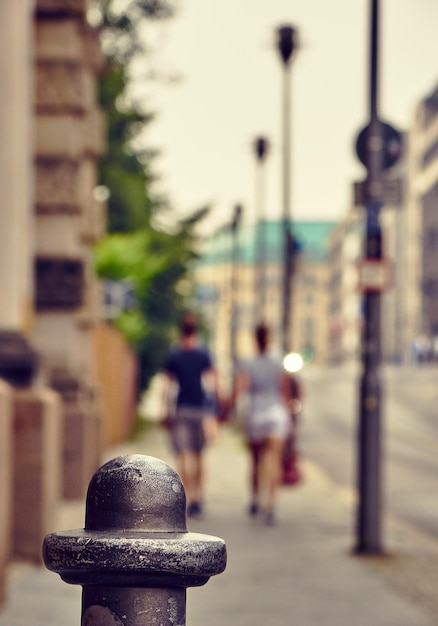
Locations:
(302, 571)
(409, 436)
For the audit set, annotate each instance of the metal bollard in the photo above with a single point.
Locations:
(135, 557)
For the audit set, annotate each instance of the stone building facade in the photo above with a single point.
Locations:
(344, 300)
(346, 297)
(68, 140)
(421, 254)
(52, 135)
(234, 296)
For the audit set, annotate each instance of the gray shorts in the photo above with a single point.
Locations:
(187, 430)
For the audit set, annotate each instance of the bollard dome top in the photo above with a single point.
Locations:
(135, 532)
(136, 493)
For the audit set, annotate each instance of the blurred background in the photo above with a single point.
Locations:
(159, 156)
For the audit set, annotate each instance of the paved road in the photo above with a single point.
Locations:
(409, 436)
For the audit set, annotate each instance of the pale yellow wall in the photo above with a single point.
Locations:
(248, 302)
(116, 372)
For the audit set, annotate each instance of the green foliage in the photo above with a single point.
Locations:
(155, 261)
(128, 178)
(128, 256)
(126, 170)
(120, 23)
(132, 325)
(157, 265)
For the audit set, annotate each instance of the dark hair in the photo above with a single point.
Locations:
(189, 324)
(262, 336)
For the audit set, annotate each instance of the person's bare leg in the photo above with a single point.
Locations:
(198, 476)
(256, 454)
(184, 467)
(272, 460)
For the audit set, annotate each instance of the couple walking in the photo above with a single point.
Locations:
(192, 399)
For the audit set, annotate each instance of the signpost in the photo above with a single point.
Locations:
(373, 275)
(391, 144)
(378, 147)
(392, 192)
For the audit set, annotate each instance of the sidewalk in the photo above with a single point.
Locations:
(300, 572)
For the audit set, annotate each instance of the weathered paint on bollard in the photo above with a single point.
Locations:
(135, 557)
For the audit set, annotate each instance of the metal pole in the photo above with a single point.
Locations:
(237, 215)
(286, 46)
(261, 146)
(134, 558)
(369, 433)
(287, 260)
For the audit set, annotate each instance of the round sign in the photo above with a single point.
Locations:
(392, 145)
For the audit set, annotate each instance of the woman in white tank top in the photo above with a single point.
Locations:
(267, 424)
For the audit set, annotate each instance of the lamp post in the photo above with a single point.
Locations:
(261, 148)
(286, 43)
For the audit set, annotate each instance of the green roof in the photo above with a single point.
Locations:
(311, 236)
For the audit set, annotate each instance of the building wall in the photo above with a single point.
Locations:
(311, 321)
(345, 303)
(346, 300)
(428, 201)
(421, 225)
(16, 218)
(115, 367)
(413, 241)
(252, 303)
(392, 303)
(68, 143)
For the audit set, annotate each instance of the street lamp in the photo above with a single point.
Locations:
(261, 148)
(286, 43)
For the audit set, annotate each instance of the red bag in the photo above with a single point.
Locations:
(291, 469)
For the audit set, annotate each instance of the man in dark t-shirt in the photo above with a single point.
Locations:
(187, 366)
(189, 373)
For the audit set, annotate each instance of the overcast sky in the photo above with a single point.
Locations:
(230, 92)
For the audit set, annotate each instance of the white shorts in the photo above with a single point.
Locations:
(274, 421)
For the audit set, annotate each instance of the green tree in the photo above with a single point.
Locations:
(121, 23)
(157, 266)
(155, 261)
(126, 172)
(126, 169)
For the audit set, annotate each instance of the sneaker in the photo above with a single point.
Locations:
(194, 509)
(253, 509)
